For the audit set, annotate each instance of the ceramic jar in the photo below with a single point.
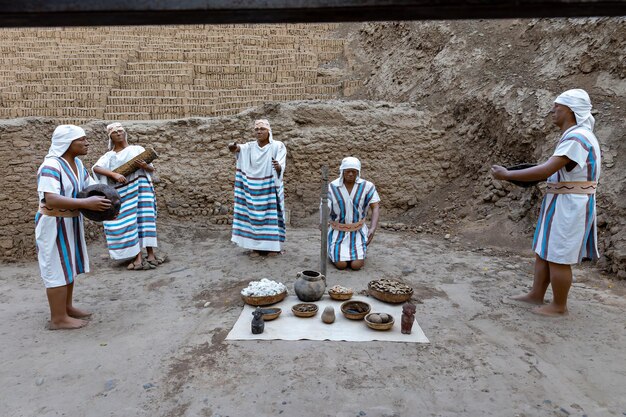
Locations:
(310, 286)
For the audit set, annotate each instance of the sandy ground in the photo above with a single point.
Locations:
(154, 349)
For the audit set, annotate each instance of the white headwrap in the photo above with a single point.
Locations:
(349, 162)
(112, 128)
(266, 124)
(579, 102)
(262, 123)
(62, 138)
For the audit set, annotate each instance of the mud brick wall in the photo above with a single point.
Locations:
(197, 171)
(169, 72)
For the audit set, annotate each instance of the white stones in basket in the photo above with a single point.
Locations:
(264, 287)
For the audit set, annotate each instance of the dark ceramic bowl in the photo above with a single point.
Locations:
(270, 313)
(106, 191)
(524, 184)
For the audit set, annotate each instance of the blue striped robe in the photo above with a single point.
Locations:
(258, 209)
(349, 208)
(566, 231)
(61, 246)
(135, 225)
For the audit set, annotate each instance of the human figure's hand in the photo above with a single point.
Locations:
(96, 203)
(141, 164)
(277, 166)
(370, 236)
(233, 147)
(499, 172)
(119, 178)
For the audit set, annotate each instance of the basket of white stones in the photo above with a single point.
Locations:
(264, 292)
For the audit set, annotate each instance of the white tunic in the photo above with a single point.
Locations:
(566, 231)
(349, 208)
(259, 202)
(61, 247)
(135, 225)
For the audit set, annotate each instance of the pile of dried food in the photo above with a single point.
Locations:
(304, 310)
(389, 290)
(339, 292)
(390, 286)
(338, 289)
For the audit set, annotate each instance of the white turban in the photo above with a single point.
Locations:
(349, 162)
(578, 102)
(262, 123)
(62, 138)
(266, 124)
(113, 127)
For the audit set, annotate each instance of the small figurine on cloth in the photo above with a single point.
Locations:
(258, 324)
(408, 317)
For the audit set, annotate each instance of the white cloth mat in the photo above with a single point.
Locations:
(289, 327)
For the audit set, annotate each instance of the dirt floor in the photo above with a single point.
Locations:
(154, 349)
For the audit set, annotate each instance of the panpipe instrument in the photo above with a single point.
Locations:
(131, 166)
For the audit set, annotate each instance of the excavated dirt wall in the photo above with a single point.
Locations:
(493, 83)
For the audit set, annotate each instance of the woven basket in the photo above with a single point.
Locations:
(298, 313)
(390, 298)
(379, 326)
(340, 296)
(263, 300)
(355, 316)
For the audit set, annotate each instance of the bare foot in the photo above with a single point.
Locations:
(273, 254)
(254, 254)
(135, 265)
(550, 310)
(77, 313)
(69, 323)
(527, 298)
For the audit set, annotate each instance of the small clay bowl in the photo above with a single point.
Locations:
(339, 295)
(355, 310)
(270, 313)
(379, 326)
(304, 310)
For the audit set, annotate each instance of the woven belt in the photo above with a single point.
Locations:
(574, 187)
(347, 227)
(58, 212)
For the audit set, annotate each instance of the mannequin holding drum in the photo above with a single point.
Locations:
(135, 226)
(59, 233)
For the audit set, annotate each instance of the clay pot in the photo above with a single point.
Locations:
(310, 285)
(106, 191)
(328, 316)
